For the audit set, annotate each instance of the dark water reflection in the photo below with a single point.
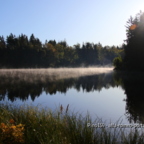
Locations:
(22, 89)
(132, 83)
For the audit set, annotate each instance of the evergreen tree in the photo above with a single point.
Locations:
(134, 48)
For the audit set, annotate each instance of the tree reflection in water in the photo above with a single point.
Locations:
(133, 85)
(30, 85)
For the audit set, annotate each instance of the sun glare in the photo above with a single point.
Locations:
(132, 27)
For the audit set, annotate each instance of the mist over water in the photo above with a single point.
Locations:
(54, 73)
(98, 90)
(84, 89)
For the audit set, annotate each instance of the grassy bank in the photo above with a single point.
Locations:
(30, 125)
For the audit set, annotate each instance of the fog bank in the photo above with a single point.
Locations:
(53, 73)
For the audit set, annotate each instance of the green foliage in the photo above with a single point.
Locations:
(42, 126)
(117, 62)
(24, 52)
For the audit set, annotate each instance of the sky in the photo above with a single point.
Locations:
(76, 21)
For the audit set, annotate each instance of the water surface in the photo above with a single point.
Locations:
(99, 91)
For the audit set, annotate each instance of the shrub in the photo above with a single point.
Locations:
(11, 133)
(117, 62)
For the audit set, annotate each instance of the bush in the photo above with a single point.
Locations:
(117, 62)
(11, 133)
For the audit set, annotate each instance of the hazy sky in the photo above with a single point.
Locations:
(75, 21)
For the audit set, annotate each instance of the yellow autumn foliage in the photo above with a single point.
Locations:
(11, 134)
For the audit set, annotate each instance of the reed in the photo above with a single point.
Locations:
(38, 125)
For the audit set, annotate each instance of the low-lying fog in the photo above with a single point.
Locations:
(54, 73)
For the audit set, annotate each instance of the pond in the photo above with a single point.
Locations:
(102, 92)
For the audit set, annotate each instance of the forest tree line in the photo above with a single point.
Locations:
(23, 52)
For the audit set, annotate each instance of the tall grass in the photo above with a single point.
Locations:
(42, 126)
